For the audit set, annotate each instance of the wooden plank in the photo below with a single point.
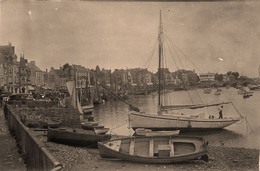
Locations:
(131, 148)
(172, 148)
(151, 146)
(117, 145)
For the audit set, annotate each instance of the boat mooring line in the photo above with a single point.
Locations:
(244, 118)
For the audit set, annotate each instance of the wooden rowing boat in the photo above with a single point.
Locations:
(148, 132)
(75, 136)
(159, 149)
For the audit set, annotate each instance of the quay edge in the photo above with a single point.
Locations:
(37, 157)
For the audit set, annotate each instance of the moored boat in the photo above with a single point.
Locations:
(75, 136)
(181, 122)
(100, 130)
(207, 91)
(165, 118)
(87, 109)
(158, 149)
(89, 125)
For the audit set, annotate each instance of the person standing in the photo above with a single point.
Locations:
(220, 112)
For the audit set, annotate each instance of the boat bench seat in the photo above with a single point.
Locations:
(164, 150)
(131, 147)
(151, 148)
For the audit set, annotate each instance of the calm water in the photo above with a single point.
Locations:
(114, 114)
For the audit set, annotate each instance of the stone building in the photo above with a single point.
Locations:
(9, 79)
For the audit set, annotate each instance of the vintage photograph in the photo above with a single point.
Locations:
(129, 85)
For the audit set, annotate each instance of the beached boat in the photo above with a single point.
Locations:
(171, 149)
(165, 118)
(90, 125)
(148, 132)
(75, 136)
(100, 130)
(87, 109)
(181, 122)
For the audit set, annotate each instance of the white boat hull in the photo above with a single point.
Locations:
(148, 132)
(170, 122)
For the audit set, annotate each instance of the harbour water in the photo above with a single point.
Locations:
(246, 133)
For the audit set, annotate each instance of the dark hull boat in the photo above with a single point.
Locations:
(76, 137)
(159, 149)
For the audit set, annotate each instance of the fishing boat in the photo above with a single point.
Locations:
(207, 91)
(100, 130)
(75, 136)
(91, 125)
(165, 118)
(247, 95)
(87, 109)
(159, 149)
(148, 132)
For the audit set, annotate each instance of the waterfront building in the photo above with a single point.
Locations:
(24, 75)
(56, 79)
(207, 79)
(36, 75)
(8, 69)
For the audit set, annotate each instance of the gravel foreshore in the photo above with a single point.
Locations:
(220, 158)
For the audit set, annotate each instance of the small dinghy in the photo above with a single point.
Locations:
(148, 132)
(100, 131)
(159, 149)
(89, 125)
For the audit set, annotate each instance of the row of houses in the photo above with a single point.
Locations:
(18, 76)
(23, 75)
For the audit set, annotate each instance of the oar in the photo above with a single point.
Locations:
(131, 107)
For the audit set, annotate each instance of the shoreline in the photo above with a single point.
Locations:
(220, 158)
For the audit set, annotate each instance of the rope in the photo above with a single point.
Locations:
(237, 110)
(150, 58)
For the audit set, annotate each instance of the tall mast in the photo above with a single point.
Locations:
(75, 79)
(160, 57)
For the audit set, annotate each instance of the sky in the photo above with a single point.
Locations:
(213, 36)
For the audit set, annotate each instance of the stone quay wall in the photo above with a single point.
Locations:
(36, 155)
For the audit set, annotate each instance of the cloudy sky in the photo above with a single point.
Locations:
(215, 36)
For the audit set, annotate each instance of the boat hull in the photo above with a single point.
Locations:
(101, 131)
(144, 132)
(87, 109)
(78, 138)
(184, 149)
(162, 122)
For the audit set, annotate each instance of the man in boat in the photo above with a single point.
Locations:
(220, 112)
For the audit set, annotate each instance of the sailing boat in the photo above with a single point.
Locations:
(76, 136)
(86, 103)
(164, 120)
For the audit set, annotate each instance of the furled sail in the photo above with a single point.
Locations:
(196, 106)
